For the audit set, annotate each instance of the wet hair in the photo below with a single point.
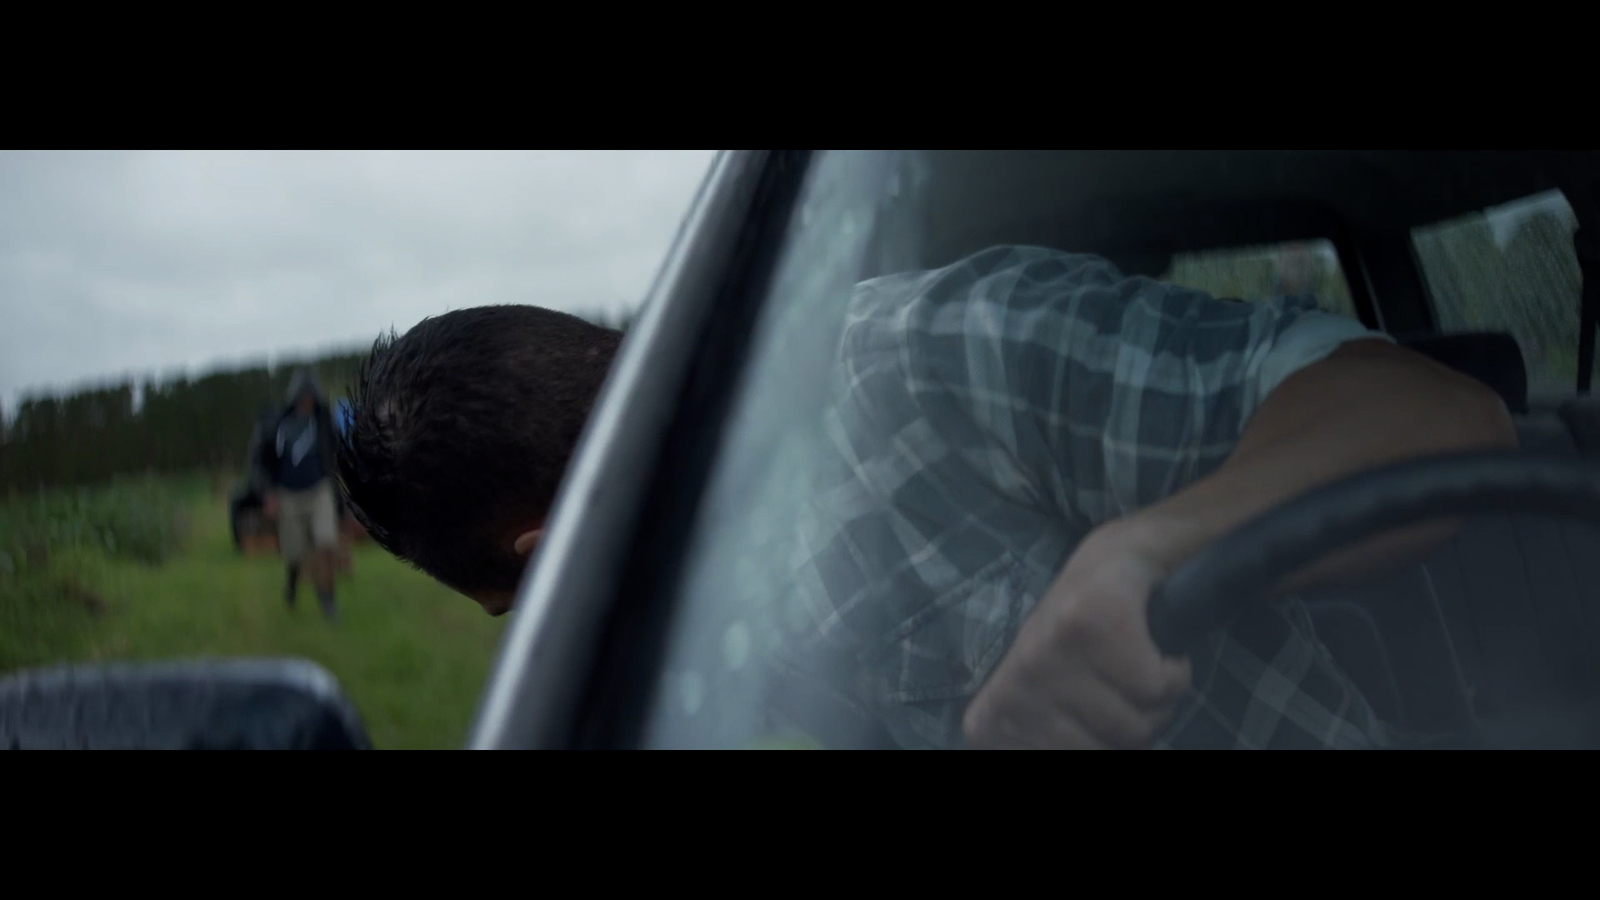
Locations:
(461, 430)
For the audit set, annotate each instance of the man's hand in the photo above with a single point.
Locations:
(269, 504)
(1083, 672)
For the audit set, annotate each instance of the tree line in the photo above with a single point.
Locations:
(177, 424)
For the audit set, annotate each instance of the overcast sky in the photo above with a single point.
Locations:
(121, 261)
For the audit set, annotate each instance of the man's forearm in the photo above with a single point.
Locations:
(1368, 404)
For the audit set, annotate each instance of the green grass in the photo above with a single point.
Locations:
(411, 654)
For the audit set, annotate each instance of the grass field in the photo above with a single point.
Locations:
(146, 569)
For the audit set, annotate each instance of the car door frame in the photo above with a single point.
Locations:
(629, 495)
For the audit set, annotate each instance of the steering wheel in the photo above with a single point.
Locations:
(1240, 569)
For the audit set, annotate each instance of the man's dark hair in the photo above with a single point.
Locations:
(461, 430)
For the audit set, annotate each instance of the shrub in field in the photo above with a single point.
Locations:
(139, 520)
(45, 602)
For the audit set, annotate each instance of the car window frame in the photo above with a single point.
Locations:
(580, 629)
(1583, 198)
(1543, 393)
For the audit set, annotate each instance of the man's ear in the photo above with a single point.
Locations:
(526, 541)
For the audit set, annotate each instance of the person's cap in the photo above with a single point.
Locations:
(303, 382)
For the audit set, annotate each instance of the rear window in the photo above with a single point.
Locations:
(1265, 271)
(1510, 268)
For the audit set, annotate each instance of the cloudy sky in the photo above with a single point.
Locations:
(146, 262)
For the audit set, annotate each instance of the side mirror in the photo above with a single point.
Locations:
(247, 704)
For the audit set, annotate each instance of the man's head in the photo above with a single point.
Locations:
(460, 432)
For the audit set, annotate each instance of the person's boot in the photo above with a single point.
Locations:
(293, 585)
(329, 610)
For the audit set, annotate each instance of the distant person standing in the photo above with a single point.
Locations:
(293, 465)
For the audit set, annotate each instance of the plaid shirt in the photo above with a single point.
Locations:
(986, 417)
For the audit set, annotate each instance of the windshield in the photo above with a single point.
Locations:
(965, 369)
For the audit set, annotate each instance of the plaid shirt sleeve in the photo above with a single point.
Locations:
(989, 414)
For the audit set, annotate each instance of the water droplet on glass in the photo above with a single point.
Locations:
(736, 646)
(693, 688)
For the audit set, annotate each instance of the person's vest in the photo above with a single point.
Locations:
(300, 461)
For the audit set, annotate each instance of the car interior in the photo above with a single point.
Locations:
(1500, 624)
(1507, 615)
